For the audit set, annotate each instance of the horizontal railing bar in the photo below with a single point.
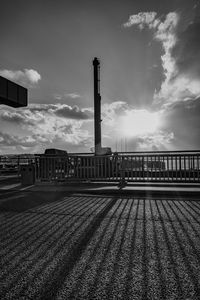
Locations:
(126, 156)
(138, 152)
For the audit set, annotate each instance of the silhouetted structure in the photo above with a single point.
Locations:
(97, 106)
(99, 150)
(12, 94)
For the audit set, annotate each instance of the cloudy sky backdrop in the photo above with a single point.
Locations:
(150, 73)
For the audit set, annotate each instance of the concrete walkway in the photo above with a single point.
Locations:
(113, 189)
(58, 245)
(103, 188)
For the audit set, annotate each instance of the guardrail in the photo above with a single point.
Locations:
(157, 166)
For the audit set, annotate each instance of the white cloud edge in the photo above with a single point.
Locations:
(175, 86)
(26, 77)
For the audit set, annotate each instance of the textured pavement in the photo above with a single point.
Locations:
(61, 245)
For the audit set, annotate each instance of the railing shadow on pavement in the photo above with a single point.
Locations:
(94, 245)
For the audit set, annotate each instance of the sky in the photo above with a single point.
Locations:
(149, 54)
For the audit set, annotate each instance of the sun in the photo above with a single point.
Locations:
(139, 122)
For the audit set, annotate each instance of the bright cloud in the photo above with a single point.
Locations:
(143, 19)
(142, 128)
(72, 95)
(30, 143)
(125, 120)
(180, 57)
(27, 77)
(67, 96)
(47, 125)
(62, 126)
(138, 122)
(165, 32)
(162, 140)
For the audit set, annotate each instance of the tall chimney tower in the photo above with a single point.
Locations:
(97, 107)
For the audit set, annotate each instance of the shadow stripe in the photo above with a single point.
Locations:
(93, 288)
(73, 255)
(33, 271)
(92, 256)
(23, 226)
(192, 275)
(162, 277)
(30, 210)
(44, 240)
(110, 285)
(170, 251)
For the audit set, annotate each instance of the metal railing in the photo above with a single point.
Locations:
(12, 164)
(157, 166)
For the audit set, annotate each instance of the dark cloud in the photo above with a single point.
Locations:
(187, 49)
(182, 118)
(184, 110)
(180, 40)
(63, 110)
(73, 113)
(37, 113)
